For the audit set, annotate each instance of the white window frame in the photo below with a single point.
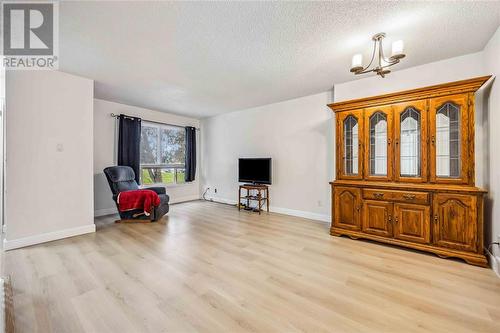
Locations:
(175, 166)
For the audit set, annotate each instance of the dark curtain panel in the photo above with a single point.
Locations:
(129, 143)
(190, 153)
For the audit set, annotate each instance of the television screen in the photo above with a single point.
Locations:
(254, 170)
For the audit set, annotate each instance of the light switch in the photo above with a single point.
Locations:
(59, 147)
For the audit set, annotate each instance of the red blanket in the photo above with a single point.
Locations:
(138, 199)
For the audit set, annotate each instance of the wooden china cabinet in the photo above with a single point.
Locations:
(405, 170)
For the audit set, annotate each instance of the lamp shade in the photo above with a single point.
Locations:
(397, 48)
(357, 60)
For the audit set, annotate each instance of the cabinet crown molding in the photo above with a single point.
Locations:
(450, 88)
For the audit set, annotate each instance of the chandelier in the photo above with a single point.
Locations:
(382, 63)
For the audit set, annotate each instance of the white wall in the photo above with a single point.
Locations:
(105, 134)
(296, 134)
(49, 156)
(491, 60)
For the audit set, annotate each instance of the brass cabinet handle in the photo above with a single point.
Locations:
(409, 196)
(390, 218)
(378, 195)
(435, 218)
(433, 140)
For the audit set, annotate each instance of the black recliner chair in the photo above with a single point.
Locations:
(122, 178)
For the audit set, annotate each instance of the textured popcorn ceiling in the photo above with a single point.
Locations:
(205, 58)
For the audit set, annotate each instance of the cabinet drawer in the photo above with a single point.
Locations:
(402, 196)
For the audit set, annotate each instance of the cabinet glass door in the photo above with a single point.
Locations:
(411, 132)
(410, 153)
(379, 136)
(449, 149)
(378, 144)
(350, 128)
(448, 140)
(351, 149)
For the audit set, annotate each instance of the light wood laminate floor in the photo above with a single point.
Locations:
(209, 268)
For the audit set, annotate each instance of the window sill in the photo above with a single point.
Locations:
(144, 187)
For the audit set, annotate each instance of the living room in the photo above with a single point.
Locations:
(311, 166)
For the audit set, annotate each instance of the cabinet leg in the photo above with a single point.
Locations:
(482, 262)
(267, 199)
(260, 199)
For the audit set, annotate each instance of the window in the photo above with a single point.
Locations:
(163, 151)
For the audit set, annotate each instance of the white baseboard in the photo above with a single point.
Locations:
(47, 237)
(301, 213)
(495, 263)
(112, 211)
(105, 211)
(184, 199)
(292, 212)
(224, 201)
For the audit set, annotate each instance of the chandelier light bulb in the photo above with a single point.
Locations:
(397, 49)
(357, 61)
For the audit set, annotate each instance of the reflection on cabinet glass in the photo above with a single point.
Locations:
(378, 144)
(351, 152)
(410, 154)
(448, 141)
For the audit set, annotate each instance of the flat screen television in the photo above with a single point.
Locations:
(255, 170)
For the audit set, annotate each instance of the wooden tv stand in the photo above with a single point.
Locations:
(258, 197)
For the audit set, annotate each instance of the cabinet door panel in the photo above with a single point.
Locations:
(412, 223)
(347, 208)
(379, 154)
(410, 156)
(455, 221)
(349, 145)
(449, 149)
(377, 218)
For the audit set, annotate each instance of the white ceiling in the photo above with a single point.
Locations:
(204, 58)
